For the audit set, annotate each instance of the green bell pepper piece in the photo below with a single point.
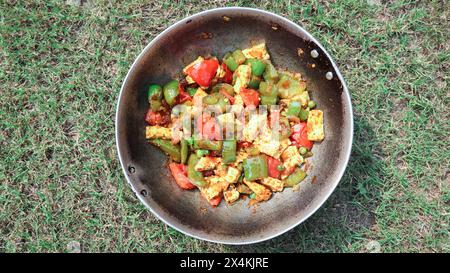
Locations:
(255, 167)
(212, 145)
(191, 91)
(268, 89)
(155, 96)
(231, 63)
(229, 151)
(171, 92)
(201, 152)
(294, 108)
(184, 151)
(225, 87)
(270, 73)
(195, 176)
(238, 56)
(289, 87)
(296, 177)
(254, 82)
(303, 115)
(216, 99)
(258, 66)
(166, 146)
(268, 100)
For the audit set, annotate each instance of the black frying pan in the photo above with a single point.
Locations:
(216, 32)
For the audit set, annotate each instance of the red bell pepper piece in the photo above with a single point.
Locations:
(249, 97)
(215, 201)
(273, 164)
(183, 96)
(203, 72)
(228, 77)
(179, 172)
(299, 136)
(208, 127)
(244, 144)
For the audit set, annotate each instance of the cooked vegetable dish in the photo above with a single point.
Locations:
(236, 127)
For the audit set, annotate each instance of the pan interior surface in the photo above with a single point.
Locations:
(216, 32)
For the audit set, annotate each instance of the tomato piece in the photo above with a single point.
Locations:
(228, 96)
(299, 136)
(273, 164)
(208, 127)
(157, 118)
(228, 77)
(179, 172)
(203, 72)
(249, 97)
(215, 201)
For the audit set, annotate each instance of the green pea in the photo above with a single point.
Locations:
(280, 168)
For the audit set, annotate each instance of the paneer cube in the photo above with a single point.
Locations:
(240, 156)
(232, 175)
(189, 80)
(207, 163)
(258, 51)
(215, 188)
(252, 128)
(314, 125)
(231, 195)
(198, 60)
(238, 101)
(291, 159)
(243, 189)
(273, 184)
(225, 119)
(198, 96)
(268, 144)
(303, 98)
(158, 132)
(243, 75)
(261, 192)
(220, 72)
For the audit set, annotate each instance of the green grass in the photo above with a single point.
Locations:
(61, 71)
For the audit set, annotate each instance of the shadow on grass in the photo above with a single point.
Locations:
(341, 222)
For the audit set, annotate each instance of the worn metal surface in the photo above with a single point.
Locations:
(216, 32)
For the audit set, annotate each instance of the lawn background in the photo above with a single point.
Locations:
(62, 66)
